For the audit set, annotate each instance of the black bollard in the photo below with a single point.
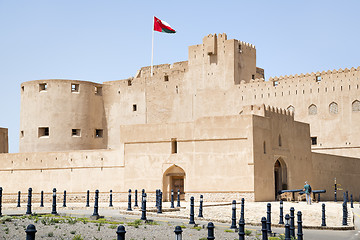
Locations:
(299, 222)
(344, 197)
(233, 215)
(351, 201)
(281, 221)
(18, 202)
(1, 201)
(242, 212)
(142, 194)
(160, 202)
(178, 198)
(344, 222)
(192, 221)
(120, 232)
(335, 197)
(129, 201)
(318, 197)
(157, 199)
(347, 196)
(287, 227)
(143, 207)
(110, 201)
(96, 205)
(172, 199)
(292, 222)
(54, 202)
(42, 199)
(28, 210)
(241, 229)
(210, 228)
(268, 219)
(264, 229)
(87, 198)
(178, 233)
(64, 202)
(30, 232)
(201, 208)
(323, 223)
(136, 200)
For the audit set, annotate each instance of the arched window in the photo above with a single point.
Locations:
(333, 108)
(291, 108)
(280, 140)
(356, 106)
(264, 147)
(312, 109)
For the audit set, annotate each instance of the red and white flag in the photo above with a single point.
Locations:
(162, 26)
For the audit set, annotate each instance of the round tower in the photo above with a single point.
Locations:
(61, 115)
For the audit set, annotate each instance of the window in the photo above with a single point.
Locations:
(173, 145)
(253, 76)
(74, 87)
(356, 106)
(22, 88)
(75, 132)
(313, 140)
(98, 91)
(318, 78)
(43, 132)
(333, 108)
(291, 108)
(99, 133)
(134, 108)
(264, 145)
(166, 78)
(280, 143)
(312, 109)
(275, 83)
(42, 87)
(21, 134)
(129, 82)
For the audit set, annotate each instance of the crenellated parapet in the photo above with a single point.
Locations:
(266, 111)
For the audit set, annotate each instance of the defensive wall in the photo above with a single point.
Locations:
(4, 147)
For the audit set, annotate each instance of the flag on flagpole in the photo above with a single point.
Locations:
(162, 26)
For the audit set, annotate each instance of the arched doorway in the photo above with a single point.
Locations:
(280, 176)
(173, 178)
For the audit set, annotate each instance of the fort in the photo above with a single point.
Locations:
(210, 125)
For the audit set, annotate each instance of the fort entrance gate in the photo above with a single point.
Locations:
(280, 176)
(173, 178)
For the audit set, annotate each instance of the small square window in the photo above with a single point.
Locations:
(99, 133)
(318, 78)
(276, 83)
(166, 78)
(43, 132)
(22, 88)
(98, 91)
(21, 134)
(129, 83)
(134, 108)
(252, 76)
(313, 140)
(75, 132)
(74, 87)
(42, 87)
(173, 146)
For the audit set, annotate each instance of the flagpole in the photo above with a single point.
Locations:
(152, 49)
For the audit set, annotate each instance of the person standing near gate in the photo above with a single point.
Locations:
(307, 189)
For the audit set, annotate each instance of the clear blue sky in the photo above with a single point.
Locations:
(111, 39)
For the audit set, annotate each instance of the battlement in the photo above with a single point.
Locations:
(266, 111)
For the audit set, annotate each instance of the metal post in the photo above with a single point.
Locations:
(129, 201)
(292, 222)
(96, 205)
(64, 202)
(178, 198)
(299, 221)
(264, 229)
(28, 210)
(210, 228)
(318, 197)
(192, 221)
(142, 194)
(281, 221)
(344, 197)
(172, 199)
(242, 212)
(143, 207)
(241, 229)
(30, 232)
(42, 199)
(87, 198)
(18, 202)
(347, 196)
(54, 202)
(344, 223)
(160, 202)
(120, 232)
(201, 208)
(233, 215)
(178, 233)
(335, 199)
(287, 227)
(110, 201)
(268, 220)
(351, 201)
(157, 199)
(1, 201)
(323, 223)
(136, 199)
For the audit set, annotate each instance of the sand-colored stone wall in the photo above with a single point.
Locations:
(4, 142)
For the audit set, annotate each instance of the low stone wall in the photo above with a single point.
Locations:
(221, 197)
